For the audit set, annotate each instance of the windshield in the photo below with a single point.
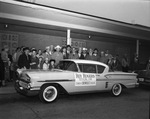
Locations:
(68, 65)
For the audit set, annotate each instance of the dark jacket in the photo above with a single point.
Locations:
(81, 56)
(24, 61)
(2, 69)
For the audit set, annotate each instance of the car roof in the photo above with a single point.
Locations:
(86, 62)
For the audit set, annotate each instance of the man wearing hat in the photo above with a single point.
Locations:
(24, 59)
(57, 55)
(84, 53)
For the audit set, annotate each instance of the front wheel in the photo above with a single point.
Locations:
(48, 93)
(116, 90)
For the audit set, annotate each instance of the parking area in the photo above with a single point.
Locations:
(132, 104)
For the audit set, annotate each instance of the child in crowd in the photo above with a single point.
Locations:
(52, 64)
(46, 64)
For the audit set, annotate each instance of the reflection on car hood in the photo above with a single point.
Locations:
(37, 71)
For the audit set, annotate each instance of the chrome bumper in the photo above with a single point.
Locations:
(25, 90)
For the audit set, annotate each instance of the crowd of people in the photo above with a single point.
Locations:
(31, 58)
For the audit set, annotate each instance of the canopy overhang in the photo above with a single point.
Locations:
(44, 17)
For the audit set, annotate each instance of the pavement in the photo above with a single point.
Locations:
(8, 89)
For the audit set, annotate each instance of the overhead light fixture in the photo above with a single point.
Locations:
(6, 26)
(89, 36)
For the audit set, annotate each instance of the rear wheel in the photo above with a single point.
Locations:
(48, 93)
(116, 90)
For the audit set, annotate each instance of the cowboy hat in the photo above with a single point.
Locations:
(57, 47)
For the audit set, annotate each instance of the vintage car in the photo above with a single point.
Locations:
(143, 77)
(73, 76)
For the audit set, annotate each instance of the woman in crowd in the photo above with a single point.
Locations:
(34, 60)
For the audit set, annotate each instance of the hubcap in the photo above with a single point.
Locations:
(117, 89)
(50, 93)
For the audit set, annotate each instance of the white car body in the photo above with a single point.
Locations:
(77, 81)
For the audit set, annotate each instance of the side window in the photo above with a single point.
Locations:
(89, 68)
(100, 68)
(72, 67)
(67, 65)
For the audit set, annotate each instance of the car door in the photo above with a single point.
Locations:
(90, 78)
(87, 79)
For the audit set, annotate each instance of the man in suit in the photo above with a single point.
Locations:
(24, 59)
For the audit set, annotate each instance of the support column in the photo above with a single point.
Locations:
(68, 37)
(137, 47)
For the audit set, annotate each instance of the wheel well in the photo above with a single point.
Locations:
(60, 88)
(123, 86)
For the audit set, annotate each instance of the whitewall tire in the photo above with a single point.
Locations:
(116, 90)
(48, 93)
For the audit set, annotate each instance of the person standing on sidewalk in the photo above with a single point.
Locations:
(6, 61)
(2, 71)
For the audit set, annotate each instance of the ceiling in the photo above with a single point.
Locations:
(26, 17)
(128, 11)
